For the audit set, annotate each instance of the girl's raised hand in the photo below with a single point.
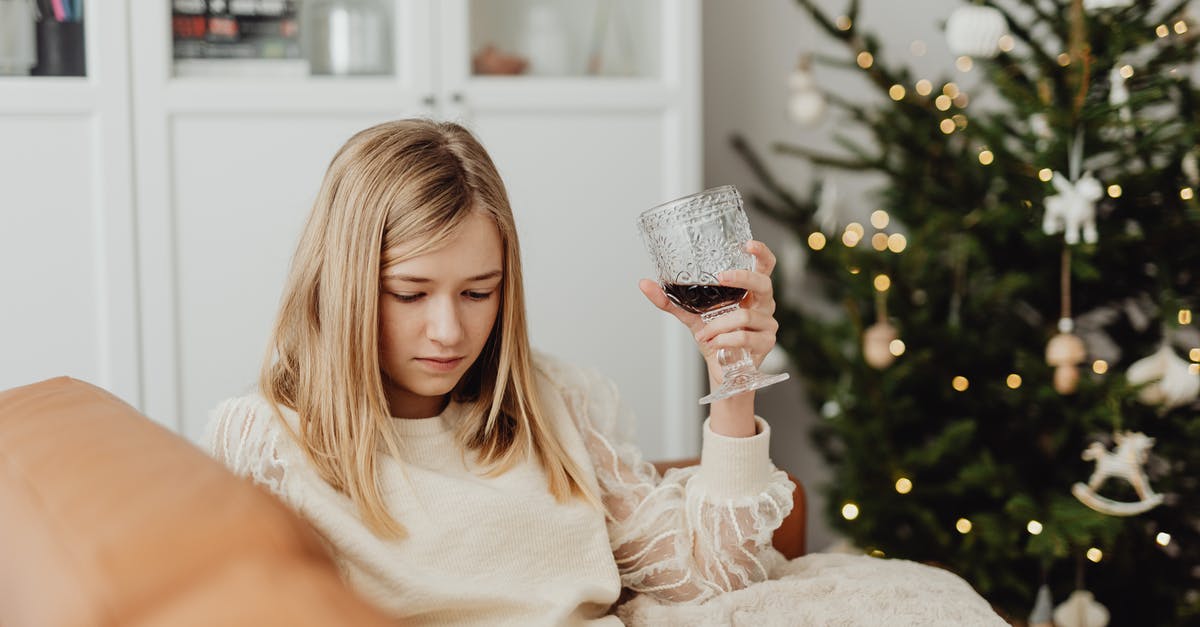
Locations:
(751, 327)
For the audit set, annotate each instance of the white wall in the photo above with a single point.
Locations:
(749, 50)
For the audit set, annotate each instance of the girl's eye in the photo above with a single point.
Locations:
(407, 298)
(478, 295)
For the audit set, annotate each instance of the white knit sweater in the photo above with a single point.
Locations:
(500, 550)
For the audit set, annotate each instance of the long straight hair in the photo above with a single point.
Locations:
(405, 185)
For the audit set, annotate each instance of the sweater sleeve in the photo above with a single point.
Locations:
(242, 434)
(695, 532)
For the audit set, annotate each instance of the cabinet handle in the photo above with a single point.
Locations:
(429, 101)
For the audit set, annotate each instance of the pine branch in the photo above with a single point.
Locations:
(764, 176)
(820, 159)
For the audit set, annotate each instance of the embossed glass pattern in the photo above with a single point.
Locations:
(691, 240)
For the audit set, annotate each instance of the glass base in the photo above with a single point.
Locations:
(743, 382)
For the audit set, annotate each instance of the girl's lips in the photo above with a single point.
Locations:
(440, 365)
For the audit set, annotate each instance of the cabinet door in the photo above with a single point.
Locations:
(67, 289)
(228, 168)
(582, 155)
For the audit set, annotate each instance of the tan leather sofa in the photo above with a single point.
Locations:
(107, 518)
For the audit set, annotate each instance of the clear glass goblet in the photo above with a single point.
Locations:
(691, 240)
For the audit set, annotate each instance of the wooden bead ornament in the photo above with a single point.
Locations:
(1065, 352)
(877, 344)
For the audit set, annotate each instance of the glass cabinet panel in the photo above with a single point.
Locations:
(42, 38)
(565, 37)
(285, 38)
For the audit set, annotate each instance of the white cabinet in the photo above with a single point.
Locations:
(224, 171)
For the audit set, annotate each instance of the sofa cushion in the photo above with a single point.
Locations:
(106, 518)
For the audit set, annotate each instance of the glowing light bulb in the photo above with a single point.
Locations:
(1100, 366)
(880, 219)
(903, 485)
(843, 22)
(1127, 71)
(960, 383)
(850, 239)
(1194, 354)
(942, 102)
(963, 526)
(856, 228)
(1185, 316)
(1162, 31)
(896, 92)
(879, 241)
(865, 59)
(1181, 27)
(947, 126)
(1034, 527)
(882, 282)
(1187, 193)
(924, 87)
(1045, 174)
(896, 347)
(849, 511)
(1095, 554)
(897, 242)
(1013, 380)
(1114, 191)
(1006, 43)
(986, 157)
(964, 63)
(816, 240)
(1163, 538)
(1064, 59)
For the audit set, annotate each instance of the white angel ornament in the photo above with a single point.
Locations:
(1171, 380)
(1073, 209)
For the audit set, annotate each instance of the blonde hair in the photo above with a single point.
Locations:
(408, 185)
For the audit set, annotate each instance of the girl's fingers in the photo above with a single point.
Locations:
(658, 298)
(765, 258)
(758, 284)
(757, 343)
(739, 320)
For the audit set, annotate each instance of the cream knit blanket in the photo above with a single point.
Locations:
(831, 589)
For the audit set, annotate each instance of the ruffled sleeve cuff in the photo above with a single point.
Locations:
(732, 467)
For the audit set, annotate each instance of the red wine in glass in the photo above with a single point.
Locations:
(701, 298)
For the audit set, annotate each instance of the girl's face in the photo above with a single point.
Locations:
(436, 312)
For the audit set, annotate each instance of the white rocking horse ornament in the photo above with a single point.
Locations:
(1125, 462)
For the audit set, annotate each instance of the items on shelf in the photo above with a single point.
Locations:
(41, 38)
(348, 37)
(18, 48)
(236, 37)
(492, 60)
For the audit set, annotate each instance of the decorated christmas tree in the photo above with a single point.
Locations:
(1009, 387)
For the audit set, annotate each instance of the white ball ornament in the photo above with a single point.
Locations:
(806, 103)
(975, 31)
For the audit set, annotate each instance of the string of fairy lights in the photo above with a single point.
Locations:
(854, 233)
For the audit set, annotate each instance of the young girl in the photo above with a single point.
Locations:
(459, 478)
